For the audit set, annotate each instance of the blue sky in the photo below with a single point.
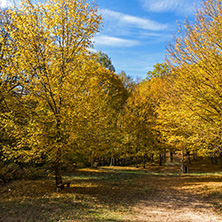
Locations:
(135, 32)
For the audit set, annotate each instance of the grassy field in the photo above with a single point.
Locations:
(106, 193)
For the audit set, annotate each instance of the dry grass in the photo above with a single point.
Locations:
(94, 195)
(110, 193)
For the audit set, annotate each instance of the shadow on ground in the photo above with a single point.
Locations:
(108, 195)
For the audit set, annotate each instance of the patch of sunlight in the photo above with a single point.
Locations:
(81, 177)
(205, 174)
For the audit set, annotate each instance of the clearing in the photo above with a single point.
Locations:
(119, 194)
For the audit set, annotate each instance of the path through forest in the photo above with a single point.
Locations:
(177, 199)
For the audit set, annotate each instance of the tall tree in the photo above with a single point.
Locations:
(51, 42)
(195, 61)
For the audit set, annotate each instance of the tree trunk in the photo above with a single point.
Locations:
(111, 161)
(215, 158)
(114, 161)
(164, 156)
(188, 154)
(171, 157)
(58, 161)
(136, 162)
(161, 160)
(152, 157)
(182, 161)
(144, 161)
(123, 162)
(220, 159)
(58, 167)
(117, 162)
(194, 154)
(212, 159)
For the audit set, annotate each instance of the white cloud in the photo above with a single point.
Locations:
(181, 6)
(133, 21)
(114, 41)
(3, 3)
(9, 3)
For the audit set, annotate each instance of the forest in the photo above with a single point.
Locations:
(63, 107)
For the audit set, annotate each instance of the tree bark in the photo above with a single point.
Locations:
(152, 157)
(58, 161)
(188, 154)
(144, 161)
(58, 167)
(215, 158)
(111, 161)
(182, 161)
(136, 162)
(171, 157)
(212, 159)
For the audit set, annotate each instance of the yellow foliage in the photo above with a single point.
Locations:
(191, 116)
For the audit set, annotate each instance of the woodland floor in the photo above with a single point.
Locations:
(119, 194)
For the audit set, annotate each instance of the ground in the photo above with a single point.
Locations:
(177, 200)
(119, 194)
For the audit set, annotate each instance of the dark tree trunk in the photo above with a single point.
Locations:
(92, 159)
(152, 157)
(58, 167)
(188, 155)
(114, 159)
(212, 160)
(171, 157)
(103, 161)
(136, 162)
(164, 156)
(215, 158)
(220, 159)
(117, 162)
(182, 162)
(123, 162)
(144, 161)
(58, 161)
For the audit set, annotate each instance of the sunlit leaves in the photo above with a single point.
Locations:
(194, 112)
(51, 42)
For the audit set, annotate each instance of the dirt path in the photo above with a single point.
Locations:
(177, 201)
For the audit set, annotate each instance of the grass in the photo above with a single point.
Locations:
(104, 194)
(95, 195)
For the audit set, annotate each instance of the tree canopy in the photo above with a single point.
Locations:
(61, 104)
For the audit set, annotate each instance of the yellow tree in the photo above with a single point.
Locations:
(10, 84)
(195, 61)
(51, 39)
(99, 105)
(176, 122)
(138, 123)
